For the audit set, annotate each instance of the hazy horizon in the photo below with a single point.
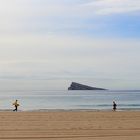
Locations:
(47, 44)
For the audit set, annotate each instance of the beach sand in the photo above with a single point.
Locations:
(70, 125)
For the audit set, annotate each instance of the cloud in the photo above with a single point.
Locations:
(67, 39)
(63, 16)
(33, 55)
(65, 8)
(107, 7)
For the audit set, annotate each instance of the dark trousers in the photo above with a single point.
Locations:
(15, 108)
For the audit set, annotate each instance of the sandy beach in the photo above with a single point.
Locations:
(70, 125)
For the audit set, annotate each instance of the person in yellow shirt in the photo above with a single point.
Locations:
(16, 105)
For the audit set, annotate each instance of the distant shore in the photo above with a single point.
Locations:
(70, 125)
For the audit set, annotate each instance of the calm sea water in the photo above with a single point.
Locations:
(100, 100)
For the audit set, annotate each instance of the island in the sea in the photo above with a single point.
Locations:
(77, 86)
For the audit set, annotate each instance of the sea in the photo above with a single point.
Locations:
(46, 100)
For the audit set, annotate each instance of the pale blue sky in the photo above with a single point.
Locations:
(46, 44)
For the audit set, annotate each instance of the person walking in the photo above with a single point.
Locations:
(16, 105)
(114, 106)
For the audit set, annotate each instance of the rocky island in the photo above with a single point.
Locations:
(77, 86)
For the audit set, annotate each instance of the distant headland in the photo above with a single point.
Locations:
(77, 86)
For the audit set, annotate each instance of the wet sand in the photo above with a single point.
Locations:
(70, 125)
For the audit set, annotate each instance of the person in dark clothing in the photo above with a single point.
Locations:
(16, 105)
(114, 106)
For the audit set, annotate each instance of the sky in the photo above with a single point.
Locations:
(47, 44)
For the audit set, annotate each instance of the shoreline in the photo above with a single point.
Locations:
(71, 110)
